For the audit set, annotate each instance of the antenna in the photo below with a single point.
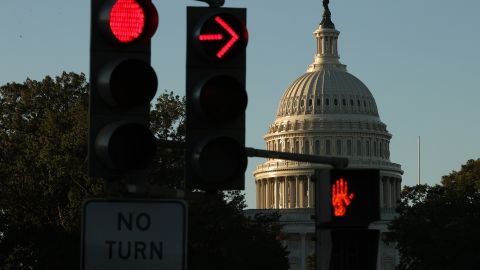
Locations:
(419, 160)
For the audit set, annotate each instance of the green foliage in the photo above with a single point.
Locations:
(467, 178)
(43, 181)
(167, 121)
(438, 227)
(42, 169)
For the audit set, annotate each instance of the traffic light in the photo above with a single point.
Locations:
(122, 84)
(355, 197)
(216, 98)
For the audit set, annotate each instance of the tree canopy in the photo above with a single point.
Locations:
(43, 181)
(438, 227)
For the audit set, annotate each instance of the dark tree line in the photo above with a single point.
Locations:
(43, 181)
(438, 227)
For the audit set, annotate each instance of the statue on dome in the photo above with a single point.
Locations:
(325, 4)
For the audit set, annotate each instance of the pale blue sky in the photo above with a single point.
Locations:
(419, 58)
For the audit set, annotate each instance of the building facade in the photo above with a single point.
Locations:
(329, 112)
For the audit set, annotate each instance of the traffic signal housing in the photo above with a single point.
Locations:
(216, 98)
(122, 84)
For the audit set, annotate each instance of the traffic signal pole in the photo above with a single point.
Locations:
(323, 197)
(336, 162)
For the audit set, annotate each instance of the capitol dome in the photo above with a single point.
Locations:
(327, 91)
(328, 112)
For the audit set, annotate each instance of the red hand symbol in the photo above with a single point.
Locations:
(340, 197)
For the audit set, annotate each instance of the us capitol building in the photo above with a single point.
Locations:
(326, 111)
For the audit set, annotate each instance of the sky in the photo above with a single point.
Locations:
(420, 60)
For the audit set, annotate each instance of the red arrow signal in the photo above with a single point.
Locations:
(216, 37)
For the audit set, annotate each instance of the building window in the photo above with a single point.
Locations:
(297, 147)
(306, 147)
(335, 102)
(351, 102)
(375, 148)
(309, 102)
(359, 148)
(287, 145)
(349, 147)
(317, 147)
(327, 101)
(367, 148)
(344, 102)
(318, 102)
(327, 147)
(339, 147)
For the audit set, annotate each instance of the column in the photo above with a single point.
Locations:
(277, 195)
(297, 197)
(393, 192)
(269, 201)
(285, 194)
(302, 193)
(382, 200)
(257, 194)
(311, 192)
(291, 193)
(264, 193)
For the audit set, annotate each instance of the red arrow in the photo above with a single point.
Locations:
(215, 37)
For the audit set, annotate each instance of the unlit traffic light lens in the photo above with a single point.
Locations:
(222, 98)
(220, 160)
(130, 83)
(125, 146)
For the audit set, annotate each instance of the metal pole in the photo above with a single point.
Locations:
(323, 213)
(419, 160)
(336, 162)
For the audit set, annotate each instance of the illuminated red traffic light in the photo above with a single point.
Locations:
(341, 199)
(127, 20)
(222, 36)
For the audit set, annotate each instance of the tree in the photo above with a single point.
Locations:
(43, 181)
(438, 227)
(222, 237)
(42, 170)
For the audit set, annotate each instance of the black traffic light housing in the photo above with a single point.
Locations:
(216, 98)
(122, 84)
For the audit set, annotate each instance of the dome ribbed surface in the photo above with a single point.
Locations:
(328, 90)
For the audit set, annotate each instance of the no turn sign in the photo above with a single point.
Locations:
(134, 234)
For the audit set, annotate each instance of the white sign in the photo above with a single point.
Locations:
(134, 234)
